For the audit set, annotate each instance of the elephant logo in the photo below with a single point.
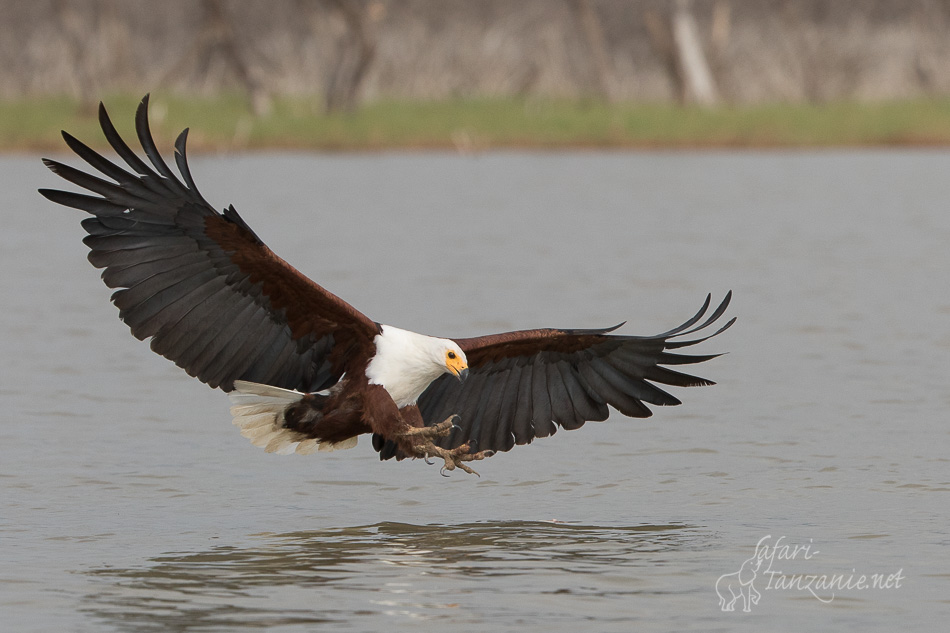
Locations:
(739, 584)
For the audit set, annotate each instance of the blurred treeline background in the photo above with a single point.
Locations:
(345, 54)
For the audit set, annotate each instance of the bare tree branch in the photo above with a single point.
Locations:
(602, 75)
(216, 43)
(355, 53)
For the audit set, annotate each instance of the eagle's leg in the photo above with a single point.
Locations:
(429, 433)
(454, 458)
(421, 444)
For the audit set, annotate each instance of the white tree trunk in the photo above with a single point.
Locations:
(700, 86)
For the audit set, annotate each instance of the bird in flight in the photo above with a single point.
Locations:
(307, 371)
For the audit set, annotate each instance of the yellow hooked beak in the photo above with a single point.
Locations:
(457, 365)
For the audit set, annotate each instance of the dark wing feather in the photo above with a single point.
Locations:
(212, 297)
(529, 383)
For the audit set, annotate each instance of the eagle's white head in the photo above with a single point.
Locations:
(406, 363)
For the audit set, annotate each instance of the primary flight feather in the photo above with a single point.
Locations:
(307, 371)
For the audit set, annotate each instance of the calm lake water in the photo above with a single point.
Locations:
(128, 501)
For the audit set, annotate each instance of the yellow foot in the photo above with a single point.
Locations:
(454, 458)
(431, 432)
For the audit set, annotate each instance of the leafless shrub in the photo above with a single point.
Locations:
(353, 50)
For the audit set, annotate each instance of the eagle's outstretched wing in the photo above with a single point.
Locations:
(525, 384)
(210, 295)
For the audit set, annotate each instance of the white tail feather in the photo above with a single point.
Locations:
(259, 412)
(326, 447)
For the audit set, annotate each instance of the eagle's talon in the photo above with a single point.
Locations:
(469, 470)
(453, 458)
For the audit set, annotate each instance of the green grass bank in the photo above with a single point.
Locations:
(226, 124)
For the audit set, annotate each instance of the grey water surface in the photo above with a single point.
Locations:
(128, 501)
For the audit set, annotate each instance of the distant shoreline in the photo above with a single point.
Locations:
(226, 124)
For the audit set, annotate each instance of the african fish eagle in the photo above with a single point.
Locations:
(305, 370)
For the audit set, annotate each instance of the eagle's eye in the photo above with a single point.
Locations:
(451, 355)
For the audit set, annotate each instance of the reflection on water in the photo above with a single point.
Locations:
(228, 587)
